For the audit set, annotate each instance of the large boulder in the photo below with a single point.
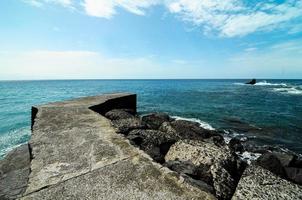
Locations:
(116, 114)
(155, 120)
(235, 145)
(186, 130)
(259, 183)
(294, 174)
(153, 142)
(275, 162)
(214, 165)
(123, 126)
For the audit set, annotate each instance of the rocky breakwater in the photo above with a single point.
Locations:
(205, 160)
(75, 153)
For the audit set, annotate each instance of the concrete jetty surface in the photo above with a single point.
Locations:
(75, 153)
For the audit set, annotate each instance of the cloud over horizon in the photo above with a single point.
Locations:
(228, 18)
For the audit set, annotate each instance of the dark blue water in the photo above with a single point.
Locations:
(270, 112)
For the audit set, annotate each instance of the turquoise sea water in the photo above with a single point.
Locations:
(269, 112)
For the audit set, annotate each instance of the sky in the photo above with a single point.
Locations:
(150, 39)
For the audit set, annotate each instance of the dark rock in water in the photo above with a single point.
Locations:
(252, 82)
(259, 183)
(207, 162)
(116, 114)
(155, 120)
(125, 125)
(275, 162)
(153, 142)
(236, 145)
(14, 172)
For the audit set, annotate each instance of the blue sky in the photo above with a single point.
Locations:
(80, 39)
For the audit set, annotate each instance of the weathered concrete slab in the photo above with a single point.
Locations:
(258, 183)
(78, 155)
(132, 178)
(14, 171)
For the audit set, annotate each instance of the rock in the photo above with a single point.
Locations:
(153, 142)
(155, 120)
(116, 114)
(214, 165)
(14, 172)
(182, 129)
(216, 139)
(259, 183)
(275, 162)
(252, 82)
(223, 182)
(235, 145)
(294, 174)
(125, 125)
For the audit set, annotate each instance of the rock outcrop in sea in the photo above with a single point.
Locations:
(99, 148)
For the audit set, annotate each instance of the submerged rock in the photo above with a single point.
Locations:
(155, 120)
(259, 183)
(214, 165)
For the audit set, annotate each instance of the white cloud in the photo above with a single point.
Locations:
(227, 18)
(40, 3)
(88, 64)
(234, 17)
(280, 60)
(107, 8)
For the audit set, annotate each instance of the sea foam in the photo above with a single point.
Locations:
(289, 90)
(13, 139)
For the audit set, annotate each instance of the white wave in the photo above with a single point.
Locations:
(264, 83)
(13, 139)
(291, 90)
(249, 156)
(202, 124)
(239, 83)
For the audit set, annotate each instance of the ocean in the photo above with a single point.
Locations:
(268, 113)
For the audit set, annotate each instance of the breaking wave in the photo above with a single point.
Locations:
(202, 124)
(265, 83)
(289, 90)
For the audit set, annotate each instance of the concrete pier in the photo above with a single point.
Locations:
(75, 153)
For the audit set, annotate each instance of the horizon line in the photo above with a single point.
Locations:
(112, 79)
